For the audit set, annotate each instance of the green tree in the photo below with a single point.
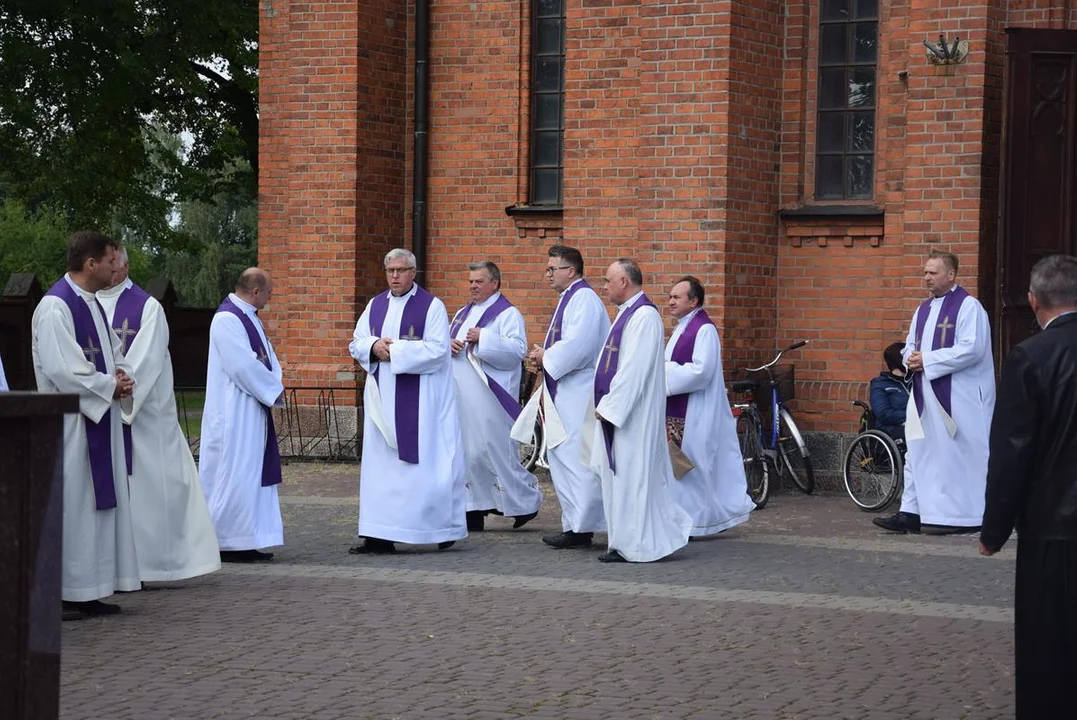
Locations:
(32, 242)
(82, 81)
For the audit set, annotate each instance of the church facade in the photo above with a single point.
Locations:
(801, 157)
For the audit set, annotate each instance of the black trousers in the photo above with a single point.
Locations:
(1046, 629)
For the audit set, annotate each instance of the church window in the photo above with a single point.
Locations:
(547, 101)
(845, 131)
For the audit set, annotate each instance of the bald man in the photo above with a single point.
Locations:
(240, 464)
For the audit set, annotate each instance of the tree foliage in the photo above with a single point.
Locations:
(82, 82)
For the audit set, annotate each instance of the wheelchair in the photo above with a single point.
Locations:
(874, 465)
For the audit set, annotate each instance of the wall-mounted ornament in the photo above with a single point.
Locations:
(943, 53)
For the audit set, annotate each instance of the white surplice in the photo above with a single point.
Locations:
(399, 501)
(495, 478)
(174, 535)
(643, 520)
(239, 387)
(571, 362)
(99, 554)
(946, 476)
(715, 492)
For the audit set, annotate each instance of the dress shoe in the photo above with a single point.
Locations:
(446, 545)
(476, 520)
(245, 556)
(92, 607)
(949, 530)
(900, 522)
(520, 520)
(373, 546)
(569, 539)
(612, 557)
(67, 614)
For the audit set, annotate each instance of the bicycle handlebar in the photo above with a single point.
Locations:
(777, 357)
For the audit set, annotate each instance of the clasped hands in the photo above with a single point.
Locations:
(915, 361)
(124, 385)
(534, 358)
(381, 349)
(471, 337)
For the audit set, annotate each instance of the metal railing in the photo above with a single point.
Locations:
(310, 426)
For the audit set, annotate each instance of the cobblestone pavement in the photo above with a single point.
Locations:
(807, 611)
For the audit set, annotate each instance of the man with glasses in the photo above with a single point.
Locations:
(411, 482)
(567, 359)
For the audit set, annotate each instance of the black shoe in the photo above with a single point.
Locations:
(900, 522)
(520, 520)
(446, 545)
(950, 530)
(476, 520)
(569, 539)
(92, 607)
(67, 614)
(245, 556)
(612, 557)
(373, 546)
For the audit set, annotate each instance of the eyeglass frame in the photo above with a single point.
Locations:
(398, 271)
(550, 270)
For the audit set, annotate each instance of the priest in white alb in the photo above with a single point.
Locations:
(948, 351)
(239, 461)
(174, 536)
(489, 341)
(629, 449)
(412, 477)
(567, 360)
(74, 351)
(698, 419)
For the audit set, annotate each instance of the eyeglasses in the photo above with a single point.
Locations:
(398, 271)
(549, 270)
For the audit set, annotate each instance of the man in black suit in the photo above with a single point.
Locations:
(1032, 484)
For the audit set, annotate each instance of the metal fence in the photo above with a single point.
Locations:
(315, 423)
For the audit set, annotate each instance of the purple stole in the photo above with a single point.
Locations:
(126, 322)
(943, 338)
(271, 472)
(553, 335)
(99, 434)
(407, 385)
(677, 405)
(606, 370)
(508, 402)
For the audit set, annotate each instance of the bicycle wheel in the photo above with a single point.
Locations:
(795, 460)
(755, 462)
(530, 451)
(873, 470)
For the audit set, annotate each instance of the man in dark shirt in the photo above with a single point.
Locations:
(890, 394)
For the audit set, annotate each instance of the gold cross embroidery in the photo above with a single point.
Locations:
(554, 332)
(944, 326)
(125, 332)
(91, 352)
(262, 356)
(610, 348)
(411, 334)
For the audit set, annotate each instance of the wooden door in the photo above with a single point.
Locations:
(1040, 165)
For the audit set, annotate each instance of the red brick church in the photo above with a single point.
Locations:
(800, 156)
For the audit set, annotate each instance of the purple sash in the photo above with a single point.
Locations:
(407, 385)
(607, 368)
(943, 338)
(271, 472)
(553, 334)
(99, 434)
(508, 402)
(677, 405)
(126, 322)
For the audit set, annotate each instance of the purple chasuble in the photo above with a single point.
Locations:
(407, 385)
(99, 434)
(553, 334)
(944, 336)
(126, 322)
(607, 368)
(508, 402)
(677, 405)
(271, 472)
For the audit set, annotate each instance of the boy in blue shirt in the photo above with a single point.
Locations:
(890, 394)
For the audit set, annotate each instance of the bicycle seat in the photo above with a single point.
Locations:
(741, 386)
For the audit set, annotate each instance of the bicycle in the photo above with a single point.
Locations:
(785, 440)
(533, 453)
(874, 465)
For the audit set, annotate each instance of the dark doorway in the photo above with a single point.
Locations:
(1040, 165)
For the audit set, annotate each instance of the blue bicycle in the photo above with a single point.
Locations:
(760, 452)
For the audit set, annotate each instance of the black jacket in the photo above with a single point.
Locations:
(1032, 471)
